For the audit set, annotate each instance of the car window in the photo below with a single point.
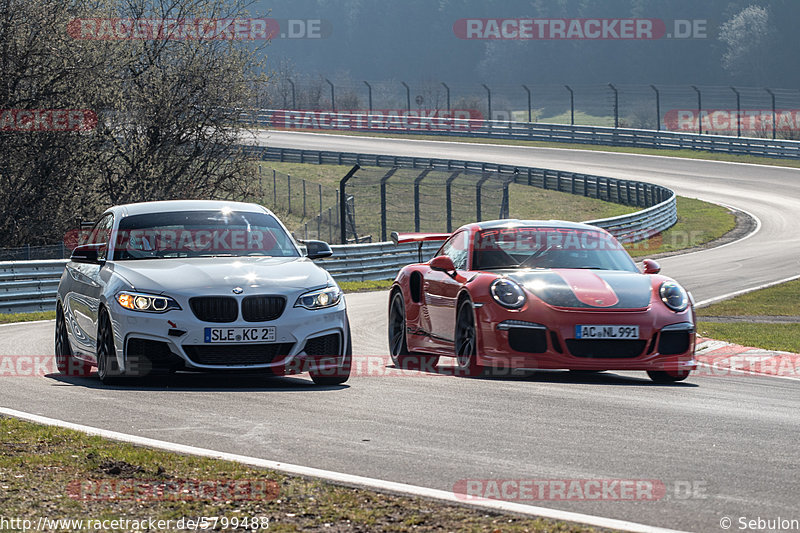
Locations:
(532, 247)
(202, 234)
(456, 249)
(101, 234)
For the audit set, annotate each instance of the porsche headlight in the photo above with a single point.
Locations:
(674, 296)
(320, 298)
(507, 293)
(148, 303)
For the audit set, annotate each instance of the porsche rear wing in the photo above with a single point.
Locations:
(419, 238)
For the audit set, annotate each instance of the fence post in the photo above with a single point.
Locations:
(529, 103)
(504, 207)
(447, 89)
(369, 89)
(478, 187)
(319, 218)
(774, 119)
(417, 181)
(343, 201)
(408, 95)
(289, 189)
(699, 110)
(449, 200)
(333, 95)
(384, 179)
(658, 107)
(571, 105)
(304, 197)
(616, 105)
(294, 101)
(274, 190)
(738, 112)
(489, 101)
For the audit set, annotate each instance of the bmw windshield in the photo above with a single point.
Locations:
(201, 234)
(536, 247)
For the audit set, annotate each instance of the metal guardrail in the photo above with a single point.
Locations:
(28, 286)
(562, 133)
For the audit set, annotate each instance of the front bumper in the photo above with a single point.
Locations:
(304, 340)
(546, 340)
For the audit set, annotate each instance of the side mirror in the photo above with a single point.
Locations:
(87, 253)
(442, 263)
(317, 249)
(651, 267)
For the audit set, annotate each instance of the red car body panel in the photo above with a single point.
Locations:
(543, 334)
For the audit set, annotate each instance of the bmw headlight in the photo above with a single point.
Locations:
(320, 298)
(674, 296)
(147, 303)
(507, 293)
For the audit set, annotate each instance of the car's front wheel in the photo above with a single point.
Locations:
(662, 376)
(398, 346)
(107, 367)
(466, 342)
(66, 362)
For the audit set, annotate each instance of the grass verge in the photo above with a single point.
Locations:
(62, 474)
(8, 318)
(365, 286)
(698, 223)
(779, 301)
(782, 337)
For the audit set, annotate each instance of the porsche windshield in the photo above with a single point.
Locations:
(201, 234)
(536, 247)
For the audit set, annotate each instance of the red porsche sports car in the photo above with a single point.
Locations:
(534, 294)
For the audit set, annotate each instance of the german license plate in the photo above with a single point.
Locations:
(606, 332)
(223, 335)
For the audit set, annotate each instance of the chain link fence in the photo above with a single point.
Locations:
(724, 110)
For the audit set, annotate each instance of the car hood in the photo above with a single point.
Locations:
(221, 274)
(585, 288)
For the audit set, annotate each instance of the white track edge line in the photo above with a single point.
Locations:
(367, 482)
(710, 301)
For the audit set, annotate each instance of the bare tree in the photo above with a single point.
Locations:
(167, 111)
(747, 40)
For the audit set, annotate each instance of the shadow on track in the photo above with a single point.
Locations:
(199, 381)
(552, 376)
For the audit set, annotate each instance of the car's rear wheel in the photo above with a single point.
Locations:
(340, 374)
(662, 376)
(107, 366)
(466, 341)
(398, 346)
(66, 362)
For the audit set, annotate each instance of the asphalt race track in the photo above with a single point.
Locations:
(732, 438)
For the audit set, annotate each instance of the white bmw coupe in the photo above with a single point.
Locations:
(199, 286)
